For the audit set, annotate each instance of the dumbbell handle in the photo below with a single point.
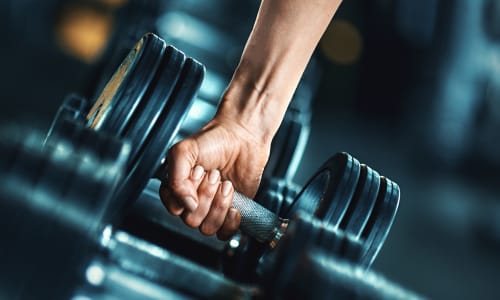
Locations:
(257, 221)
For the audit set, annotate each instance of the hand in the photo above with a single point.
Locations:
(202, 170)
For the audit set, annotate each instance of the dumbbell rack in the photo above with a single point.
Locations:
(78, 256)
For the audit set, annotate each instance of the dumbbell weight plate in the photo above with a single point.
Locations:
(362, 202)
(144, 102)
(342, 244)
(162, 86)
(73, 136)
(329, 192)
(35, 260)
(289, 192)
(307, 232)
(73, 108)
(122, 95)
(110, 153)
(52, 200)
(380, 220)
(155, 148)
(315, 274)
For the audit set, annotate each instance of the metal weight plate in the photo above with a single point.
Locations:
(302, 233)
(319, 275)
(100, 162)
(289, 192)
(205, 105)
(75, 137)
(112, 111)
(73, 108)
(336, 241)
(107, 164)
(37, 211)
(154, 150)
(27, 224)
(328, 193)
(381, 220)
(306, 233)
(162, 86)
(362, 202)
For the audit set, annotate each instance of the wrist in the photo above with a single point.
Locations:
(258, 107)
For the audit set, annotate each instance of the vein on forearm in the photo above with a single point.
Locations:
(281, 43)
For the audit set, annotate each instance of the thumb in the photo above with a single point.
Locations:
(179, 176)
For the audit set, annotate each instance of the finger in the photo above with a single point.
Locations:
(206, 192)
(231, 225)
(180, 168)
(197, 175)
(170, 202)
(218, 211)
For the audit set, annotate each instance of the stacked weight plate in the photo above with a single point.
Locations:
(353, 198)
(144, 103)
(53, 202)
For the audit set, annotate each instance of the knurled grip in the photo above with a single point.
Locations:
(256, 221)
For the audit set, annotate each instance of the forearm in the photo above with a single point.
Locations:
(275, 56)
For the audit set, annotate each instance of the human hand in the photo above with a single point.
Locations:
(202, 170)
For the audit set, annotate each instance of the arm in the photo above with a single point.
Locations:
(280, 45)
(233, 148)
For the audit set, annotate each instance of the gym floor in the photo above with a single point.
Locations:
(376, 100)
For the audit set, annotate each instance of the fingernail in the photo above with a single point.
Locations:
(198, 172)
(226, 188)
(231, 214)
(213, 177)
(190, 204)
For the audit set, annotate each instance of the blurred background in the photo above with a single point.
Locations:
(411, 88)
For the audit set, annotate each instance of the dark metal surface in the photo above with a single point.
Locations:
(54, 200)
(363, 201)
(381, 219)
(323, 276)
(155, 149)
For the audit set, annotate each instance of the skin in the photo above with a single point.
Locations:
(231, 151)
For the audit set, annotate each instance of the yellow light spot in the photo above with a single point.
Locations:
(342, 42)
(84, 31)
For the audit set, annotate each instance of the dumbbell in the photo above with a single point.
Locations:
(54, 201)
(318, 262)
(344, 194)
(133, 106)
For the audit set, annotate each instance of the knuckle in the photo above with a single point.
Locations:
(192, 221)
(207, 228)
(221, 204)
(173, 209)
(207, 191)
(176, 184)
